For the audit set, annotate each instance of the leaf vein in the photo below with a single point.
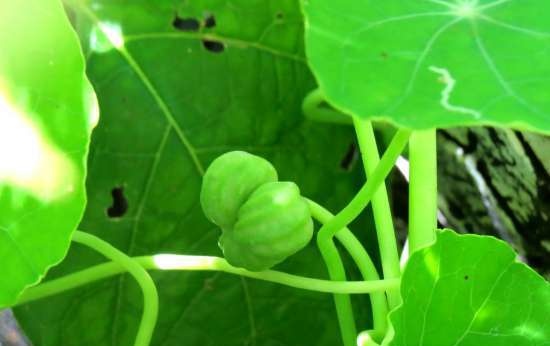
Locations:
(214, 37)
(482, 305)
(150, 88)
(23, 255)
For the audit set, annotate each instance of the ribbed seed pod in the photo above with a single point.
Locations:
(263, 221)
(229, 181)
(273, 224)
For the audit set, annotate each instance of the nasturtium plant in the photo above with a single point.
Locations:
(220, 152)
(246, 97)
(441, 63)
(47, 111)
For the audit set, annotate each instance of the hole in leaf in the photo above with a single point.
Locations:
(213, 46)
(120, 203)
(209, 21)
(349, 158)
(186, 24)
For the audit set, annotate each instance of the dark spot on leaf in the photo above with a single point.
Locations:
(120, 203)
(384, 55)
(208, 285)
(213, 46)
(279, 15)
(466, 277)
(186, 24)
(209, 21)
(349, 158)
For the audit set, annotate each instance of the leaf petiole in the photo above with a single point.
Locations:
(422, 189)
(381, 208)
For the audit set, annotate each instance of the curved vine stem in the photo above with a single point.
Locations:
(313, 109)
(381, 208)
(342, 302)
(199, 263)
(325, 235)
(365, 194)
(150, 295)
(363, 262)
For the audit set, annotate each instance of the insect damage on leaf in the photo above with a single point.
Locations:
(449, 81)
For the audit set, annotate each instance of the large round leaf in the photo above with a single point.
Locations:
(424, 64)
(469, 290)
(46, 114)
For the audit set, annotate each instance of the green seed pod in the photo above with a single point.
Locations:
(274, 223)
(263, 221)
(229, 181)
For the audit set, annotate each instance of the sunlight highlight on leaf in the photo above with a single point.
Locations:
(485, 312)
(466, 9)
(531, 330)
(28, 160)
(106, 36)
(431, 261)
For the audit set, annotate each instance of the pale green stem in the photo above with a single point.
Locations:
(342, 302)
(199, 263)
(422, 189)
(150, 295)
(381, 208)
(325, 235)
(363, 262)
(364, 196)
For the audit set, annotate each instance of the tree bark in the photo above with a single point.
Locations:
(497, 182)
(10, 334)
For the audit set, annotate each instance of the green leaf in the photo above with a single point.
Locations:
(171, 102)
(470, 290)
(47, 110)
(435, 63)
